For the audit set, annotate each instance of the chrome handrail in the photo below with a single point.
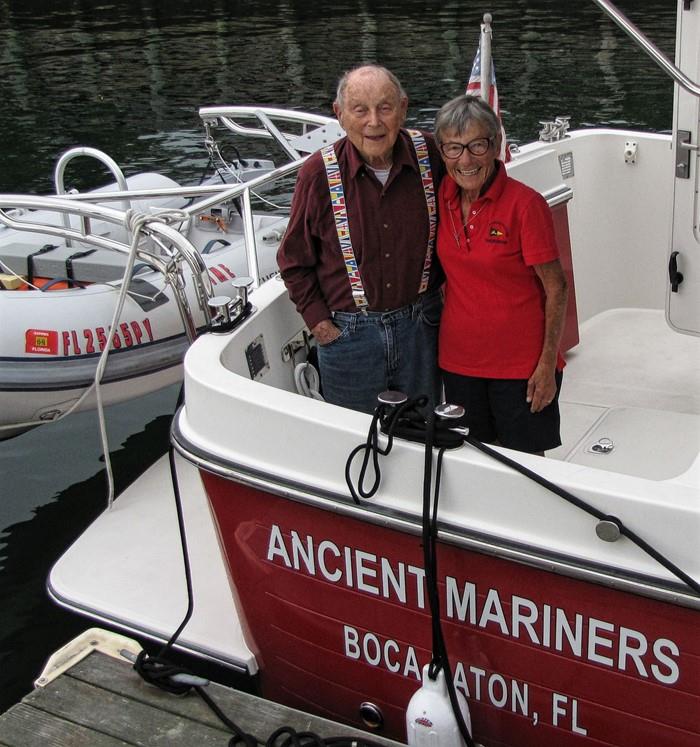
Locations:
(156, 228)
(64, 205)
(108, 161)
(86, 205)
(648, 47)
(91, 205)
(225, 115)
(152, 192)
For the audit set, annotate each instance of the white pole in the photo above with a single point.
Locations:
(485, 45)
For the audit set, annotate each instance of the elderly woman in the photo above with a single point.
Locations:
(505, 294)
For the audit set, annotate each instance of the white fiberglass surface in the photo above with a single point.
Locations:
(282, 438)
(636, 383)
(140, 585)
(619, 216)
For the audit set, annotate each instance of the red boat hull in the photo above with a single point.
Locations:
(336, 613)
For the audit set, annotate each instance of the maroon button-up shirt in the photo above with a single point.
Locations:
(388, 229)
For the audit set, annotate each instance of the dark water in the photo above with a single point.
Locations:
(127, 77)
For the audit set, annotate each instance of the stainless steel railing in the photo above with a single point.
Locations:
(208, 195)
(648, 47)
(15, 209)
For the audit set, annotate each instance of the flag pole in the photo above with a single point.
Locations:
(485, 44)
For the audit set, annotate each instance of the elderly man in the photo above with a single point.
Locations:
(357, 257)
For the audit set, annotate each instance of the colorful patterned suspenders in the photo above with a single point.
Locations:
(340, 215)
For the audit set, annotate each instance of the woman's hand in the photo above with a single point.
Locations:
(541, 386)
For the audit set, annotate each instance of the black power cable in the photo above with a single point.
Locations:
(589, 509)
(158, 671)
(407, 422)
(440, 658)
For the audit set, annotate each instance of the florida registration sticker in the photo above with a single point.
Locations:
(41, 341)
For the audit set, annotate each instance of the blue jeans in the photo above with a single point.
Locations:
(377, 351)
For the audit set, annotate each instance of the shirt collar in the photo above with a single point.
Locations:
(402, 155)
(493, 192)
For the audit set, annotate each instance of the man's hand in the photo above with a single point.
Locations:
(325, 332)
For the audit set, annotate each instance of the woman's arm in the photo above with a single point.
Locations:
(541, 386)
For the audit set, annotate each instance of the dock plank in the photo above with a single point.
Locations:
(26, 726)
(253, 714)
(102, 702)
(121, 717)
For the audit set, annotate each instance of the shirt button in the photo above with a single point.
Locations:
(388, 285)
(386, 225)
(471, 227)
(473, 212)
(387, 255)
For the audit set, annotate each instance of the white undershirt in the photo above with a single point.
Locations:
(381, 174)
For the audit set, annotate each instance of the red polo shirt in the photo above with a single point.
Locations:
(388, 229)
(493, 321)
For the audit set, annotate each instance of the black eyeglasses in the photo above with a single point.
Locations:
(477, 147)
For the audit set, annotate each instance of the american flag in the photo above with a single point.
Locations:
(474, 88)
(474, 85)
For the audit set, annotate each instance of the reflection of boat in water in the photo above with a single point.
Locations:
(61, 270)
(568, 585)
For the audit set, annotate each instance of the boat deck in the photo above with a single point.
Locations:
(101, 702)
(636, 382)
(103, 587)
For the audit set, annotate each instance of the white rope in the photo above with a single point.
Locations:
(135, 223)
(307, 381)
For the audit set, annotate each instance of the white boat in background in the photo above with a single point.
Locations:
(63, 259)
(568, 586)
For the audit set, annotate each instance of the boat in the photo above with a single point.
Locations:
(563, 591)
(62, 265)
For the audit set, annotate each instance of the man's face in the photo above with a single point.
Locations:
(371, 115)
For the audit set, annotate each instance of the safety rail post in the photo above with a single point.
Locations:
(251, 245)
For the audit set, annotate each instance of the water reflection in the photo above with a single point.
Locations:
(53, 486)
(120, 78)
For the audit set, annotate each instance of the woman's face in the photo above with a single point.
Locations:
(476, 163)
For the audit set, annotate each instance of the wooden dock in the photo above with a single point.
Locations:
(100, 701)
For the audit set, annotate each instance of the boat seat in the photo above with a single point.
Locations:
(60, 263)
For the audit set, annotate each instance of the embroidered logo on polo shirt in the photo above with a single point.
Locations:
(497, 233)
